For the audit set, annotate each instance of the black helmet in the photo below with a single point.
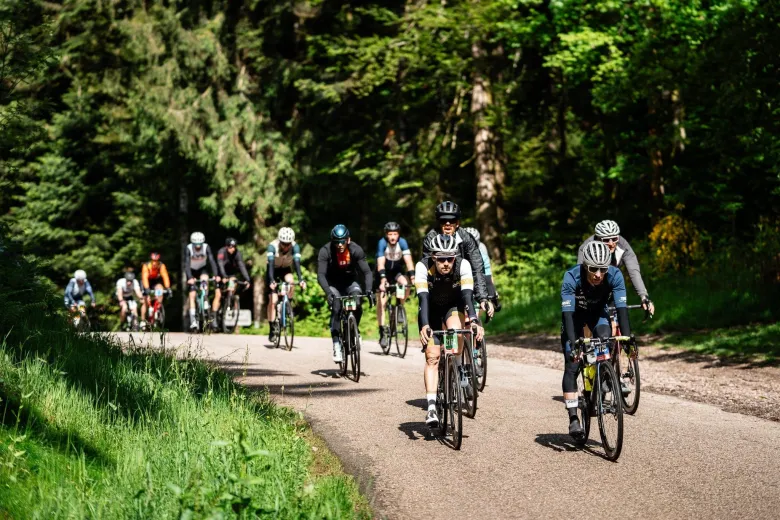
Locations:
(230, 242)
(448, 209)
(339, 232)
(392, 226)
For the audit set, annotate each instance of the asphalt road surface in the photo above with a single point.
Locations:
(680, 459)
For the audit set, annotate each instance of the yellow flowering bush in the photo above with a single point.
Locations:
(676, 244)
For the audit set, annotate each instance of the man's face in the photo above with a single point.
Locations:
(596, 275)
(198, 247)
(392, 237)
(285, 246)
(231, 249)
(155, 264)
(444, 264)
(449, 225)
(611, 243)
(80, 282)
(341, 245)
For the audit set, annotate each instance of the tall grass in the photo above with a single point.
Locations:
(91, 431)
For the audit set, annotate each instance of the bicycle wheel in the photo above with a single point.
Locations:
(454, 404)
(482, 365)
(230, 313)
(583, 408)
(345, 339)
(289, 330)
(630, 376)
(609, 410)
(390, 320)
(470, 404)
(441, 396)
(354, 348)
(158, 318)
(401, 331)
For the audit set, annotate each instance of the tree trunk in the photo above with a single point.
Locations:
(488, 167)
(183, 241)
(258, 290)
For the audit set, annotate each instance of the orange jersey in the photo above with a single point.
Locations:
(148, 272)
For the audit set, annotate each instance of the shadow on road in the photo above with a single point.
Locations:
(421, 403)
(416, 431)
(391, 354)
(323, 390)
(562, 442)
(334, 373)
(558, 398)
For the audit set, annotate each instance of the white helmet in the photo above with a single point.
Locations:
(473, 232)
(607, 228)
(80, 275)
(197, 238)
(443, 245)
(597, 254)
(286, 235)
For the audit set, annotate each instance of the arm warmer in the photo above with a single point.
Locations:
(568, 327)
(88, 288)
(297, 264)
(632, 266)
(322, 269)
(213, 264)
(367, 276)
(242, 266)
(422, 317)
(221, 258)
(623, 321)
(187, 268)
(467, 298)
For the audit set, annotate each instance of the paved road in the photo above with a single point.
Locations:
(680, 459)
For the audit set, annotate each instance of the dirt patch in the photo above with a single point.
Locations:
(740, 387)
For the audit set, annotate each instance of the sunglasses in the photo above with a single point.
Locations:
(445, 259)
(448, 222)
(288, 244)
(609, 240)
(593, 269)
(340, 242)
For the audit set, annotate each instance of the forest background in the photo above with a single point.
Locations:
(126, 125)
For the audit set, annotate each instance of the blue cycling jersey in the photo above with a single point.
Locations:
(578, 295)
(393, 255)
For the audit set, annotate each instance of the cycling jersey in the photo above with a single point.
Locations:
(196, 260)
(393, 254)
(277, 259)
(74, 293)
(334, 268)
(623, 254)
(469, 250)
(229, 264)
(127, 292)
(150, 272)
(442, 291)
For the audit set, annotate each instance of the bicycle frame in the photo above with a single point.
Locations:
(283, 291)
(592, 358)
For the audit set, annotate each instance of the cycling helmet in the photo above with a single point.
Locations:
(443, 245)
(129, 276)
(230, 242)
(154, 257)
(197, 238)
(80, 275)
(597, 254)
(607, 228)
(392, 226)
(473, 232)
(340, 232)
(448, 209)
(286, 235)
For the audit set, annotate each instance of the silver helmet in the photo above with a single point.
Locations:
(443, 245)
(597, 254)
(473, 232)
(607, 228)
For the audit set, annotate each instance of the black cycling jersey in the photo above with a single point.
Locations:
(230, 264)
(469, 250)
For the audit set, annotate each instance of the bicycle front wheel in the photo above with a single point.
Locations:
(289, 329)
(584, 406)
(630, 376)
(454, 403)
(609, 403)
(470, 403)
(354, 348)
(390, 320)
(401, 331)
(346, 333)
(230, 313)
(481, 365)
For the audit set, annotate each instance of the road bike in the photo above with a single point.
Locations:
(80, 319)
(285, 319)
(449, 393)
(131, 318)
(202, 306)
(350, 336)
(630, 375)
(396, 320)
(599, 392)
(155, 319)
(231, 305)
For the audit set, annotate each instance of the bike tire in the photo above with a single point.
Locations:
(345, 339)
(583, 408)
(289, 330)
(402, 337)
(390, 320)
(483, 357)
(470, 405)
(455, 404)
(631, 402)
(231, 304)
(609, 410)
(441, 397)
(354, 348)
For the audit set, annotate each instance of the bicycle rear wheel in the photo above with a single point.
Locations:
(289, 330)
(630, 376)
(401, 331)
(470, 404)
(609, 407)
(482, 365)
(354, 348)
(454, 403)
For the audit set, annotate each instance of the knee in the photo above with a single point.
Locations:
(432, 361)
(570, 376)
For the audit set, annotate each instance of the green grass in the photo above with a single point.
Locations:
(746, 343)
(91, 431)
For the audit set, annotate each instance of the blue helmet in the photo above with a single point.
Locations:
(340, 232)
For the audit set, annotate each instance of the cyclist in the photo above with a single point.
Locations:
(445, 287)
(392, 250)
(229, 263)
(154, 275)
(127, 290)
(338, 263)
(77, 287)
(448, 216)
(283, 253)
(196, 256)
(607, 231)
(585, 291)
(491, 288)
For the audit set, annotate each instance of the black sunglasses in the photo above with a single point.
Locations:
(593, 269)
(607, 240)
(340, 242)
(445, 259)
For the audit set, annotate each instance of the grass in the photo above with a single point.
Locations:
(739, 343)
(91, 431)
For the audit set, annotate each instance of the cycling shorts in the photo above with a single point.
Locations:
(279, 274)
(154, 282)
(438, 315)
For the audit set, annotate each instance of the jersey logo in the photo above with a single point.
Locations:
(343, 259)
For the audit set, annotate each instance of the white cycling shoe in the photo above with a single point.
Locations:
(432, 420)
(337, 355)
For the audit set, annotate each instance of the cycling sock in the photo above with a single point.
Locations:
(431, 401)
(192, 314)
